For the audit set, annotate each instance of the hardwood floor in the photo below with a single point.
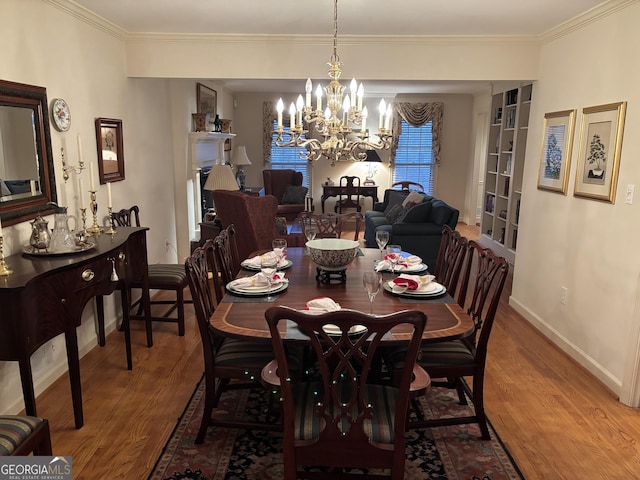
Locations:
(554, 417)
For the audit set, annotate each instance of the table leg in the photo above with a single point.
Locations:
(28, 393)
(126, 324)
(100, 310)
(73, 359)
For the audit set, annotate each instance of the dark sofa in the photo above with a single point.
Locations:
(416, 227)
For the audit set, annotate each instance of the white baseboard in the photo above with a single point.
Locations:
(614, 384)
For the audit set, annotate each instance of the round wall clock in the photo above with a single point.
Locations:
(60, 114)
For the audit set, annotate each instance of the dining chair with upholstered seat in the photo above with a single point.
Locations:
(340, 418)
(225, 359)
(226, 253)
(453, 360)
(22, 435)
(162, 276)
(330, 225)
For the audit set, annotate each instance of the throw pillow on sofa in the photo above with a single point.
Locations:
(393, 213)
(413, 197)
(394, 197)
(294, 194)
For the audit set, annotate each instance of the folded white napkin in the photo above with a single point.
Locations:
(322, 305)
(258, 280)
(257, 260)
(405, 263)
(412, 282)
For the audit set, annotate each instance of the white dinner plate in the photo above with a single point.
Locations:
(258, 290)
(433, 289)
(419, 267)
(281, 266)
(331, 329)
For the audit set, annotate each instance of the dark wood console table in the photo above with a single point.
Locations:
(45, 296)
(337, 190)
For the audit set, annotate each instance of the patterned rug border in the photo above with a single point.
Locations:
(159, 470)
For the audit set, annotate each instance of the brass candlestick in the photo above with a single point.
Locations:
(83, 215)
(94, 229)
(112, 230)
(4, 269)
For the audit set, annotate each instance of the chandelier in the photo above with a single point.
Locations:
(344, 134)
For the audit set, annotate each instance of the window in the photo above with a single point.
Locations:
(283, 158)
(414, 157)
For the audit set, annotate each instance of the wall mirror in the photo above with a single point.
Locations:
(27, 179)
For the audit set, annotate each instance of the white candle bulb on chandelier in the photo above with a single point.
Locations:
(383, 110)
(353, 87)
(308, 88)
(360, 95)
(292, 114)
(387, 120)
(319, 98)
(346, 106)
(280, 108)
(365, 114)
(300, 108)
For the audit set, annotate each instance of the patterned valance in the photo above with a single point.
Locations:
(416, 115)
(268, 116)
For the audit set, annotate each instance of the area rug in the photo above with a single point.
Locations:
(227, 454)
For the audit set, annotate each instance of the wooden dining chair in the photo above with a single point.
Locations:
(226, 254)
(408, 185)
(486, 273)
(162, 276)
(339, 418)
(451, 257)
(349, 194)
(330, 225)
(22, 435)
(225, 359)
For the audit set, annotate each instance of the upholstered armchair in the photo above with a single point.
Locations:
(254, 219)
(286, 186)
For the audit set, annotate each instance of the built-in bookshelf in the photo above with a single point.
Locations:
(504, 169)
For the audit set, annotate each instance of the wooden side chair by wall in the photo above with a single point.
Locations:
(330, 225)
(226, 254)
(22, 435)
(349, 194)
(451, 257)
(349, 421)
(162, 276)
(225, 359)
(486, 273)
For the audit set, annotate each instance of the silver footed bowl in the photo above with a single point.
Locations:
(333, 253)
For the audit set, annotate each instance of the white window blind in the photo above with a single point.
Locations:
(283, 158)
(414, 157)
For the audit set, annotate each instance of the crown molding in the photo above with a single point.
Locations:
(87, 16)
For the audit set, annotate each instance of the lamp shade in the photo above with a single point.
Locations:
(240, 156)
(221, 178)
(372, 156)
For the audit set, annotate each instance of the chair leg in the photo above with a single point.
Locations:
(180, 302)
(210, 401)
(460, 389)
(478, 403)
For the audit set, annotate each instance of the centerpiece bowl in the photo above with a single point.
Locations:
(332, 253)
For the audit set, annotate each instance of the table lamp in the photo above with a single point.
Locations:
(372, 159)
(240, 159)
(221, 178)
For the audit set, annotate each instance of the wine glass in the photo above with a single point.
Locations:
(310, 232)
(372, 282)
(393, 255)
(382, 238)
(268, 267)
(279, 248)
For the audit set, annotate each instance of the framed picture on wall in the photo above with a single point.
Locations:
(600, 145)
(555, 159)
(207, 99)
(110, 150)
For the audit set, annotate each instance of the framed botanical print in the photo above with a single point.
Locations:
(600, 146)
(110, 150)
(557, 142)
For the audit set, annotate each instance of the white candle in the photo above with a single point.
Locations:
(387, 120)
(279, 109)
(80, 193)
(292, 114)
(109, 204)
(93, 186)
(360, 96)
(365, 114)
(308, 89)
(382, 109)
(319, 98)
(79, 150)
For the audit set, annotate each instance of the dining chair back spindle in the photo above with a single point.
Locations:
(226, 254)
(451, 257)
(331, 225)
(338, 417)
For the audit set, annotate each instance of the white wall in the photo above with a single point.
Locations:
(587, 246)
(44, 46)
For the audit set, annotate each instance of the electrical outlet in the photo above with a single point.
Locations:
(563, 295)
(167, 245)
(629, 197)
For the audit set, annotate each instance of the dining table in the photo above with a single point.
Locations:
(242, 315)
